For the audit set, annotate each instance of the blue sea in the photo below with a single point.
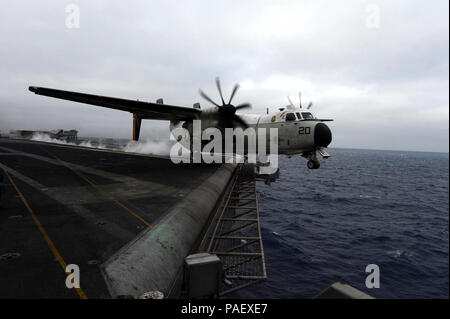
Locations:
(389, 208)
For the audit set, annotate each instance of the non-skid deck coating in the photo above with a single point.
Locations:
(86, 205)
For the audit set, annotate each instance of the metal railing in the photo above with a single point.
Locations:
(236, 238)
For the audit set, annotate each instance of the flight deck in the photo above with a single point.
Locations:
(67, 205)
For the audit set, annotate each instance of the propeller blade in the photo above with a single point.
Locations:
(222, 121)
(236, 87)
(243, 106)
(220, 90)
(240, 122)
(206, 97)
(225, 114)
(292, 104)
(309, 105)
(300, 98)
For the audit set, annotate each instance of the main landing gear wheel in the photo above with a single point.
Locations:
(313, 164)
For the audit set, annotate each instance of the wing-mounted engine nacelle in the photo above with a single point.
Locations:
(186, 138)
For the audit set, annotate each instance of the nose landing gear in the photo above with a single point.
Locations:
(313, 164)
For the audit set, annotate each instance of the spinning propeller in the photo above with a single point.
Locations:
(227, 111)
(292, 106)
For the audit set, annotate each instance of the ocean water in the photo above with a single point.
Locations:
(389, 208)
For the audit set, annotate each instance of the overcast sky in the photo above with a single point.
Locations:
(379, 68)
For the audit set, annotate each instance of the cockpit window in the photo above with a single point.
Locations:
(307, 115)
(290, 117)
(298, 115)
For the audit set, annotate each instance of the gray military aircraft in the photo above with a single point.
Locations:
(299, 131)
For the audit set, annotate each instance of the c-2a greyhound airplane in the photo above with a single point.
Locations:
(299, 131)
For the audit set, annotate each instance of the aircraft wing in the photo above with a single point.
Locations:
(146, 110)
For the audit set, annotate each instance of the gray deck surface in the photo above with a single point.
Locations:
(86, 221)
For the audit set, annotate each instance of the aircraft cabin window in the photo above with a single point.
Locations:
(298, 115)
(307, 116)
(290, 117)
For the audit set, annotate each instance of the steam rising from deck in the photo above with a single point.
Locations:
(142, 147)
(148, 147)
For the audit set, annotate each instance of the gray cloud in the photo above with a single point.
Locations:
(386, 87)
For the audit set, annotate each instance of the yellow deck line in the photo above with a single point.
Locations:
(97, 187)
(43, 232)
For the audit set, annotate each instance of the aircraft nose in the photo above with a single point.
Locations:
(322, 135)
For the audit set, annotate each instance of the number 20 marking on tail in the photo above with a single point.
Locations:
(304, 130)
